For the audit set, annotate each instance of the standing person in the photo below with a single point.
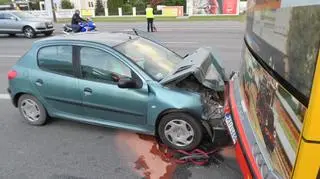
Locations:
(76, 19)
(150, 17)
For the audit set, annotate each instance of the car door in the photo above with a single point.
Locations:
(55, 80)
(102, 98)
(11, 23)
(3, 23)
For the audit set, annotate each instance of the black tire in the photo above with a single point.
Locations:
(29, 32)
(41, 120)
(48, 33)
(193, 123)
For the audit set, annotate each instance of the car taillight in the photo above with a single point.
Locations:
(12, 74)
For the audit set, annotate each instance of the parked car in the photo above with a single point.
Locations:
(19, 22)
(123, 81)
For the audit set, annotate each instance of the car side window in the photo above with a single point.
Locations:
(100, 66)
(57, 59)
(7, 16)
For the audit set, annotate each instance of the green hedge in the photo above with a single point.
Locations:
(4, 2)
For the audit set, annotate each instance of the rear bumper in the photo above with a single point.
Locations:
(10, 93)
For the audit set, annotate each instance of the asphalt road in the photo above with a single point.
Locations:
(65, 149)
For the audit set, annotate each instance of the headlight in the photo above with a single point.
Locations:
(205, 106)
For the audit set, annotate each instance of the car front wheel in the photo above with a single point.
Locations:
(32, 110)
(29, 32)
(180, 131)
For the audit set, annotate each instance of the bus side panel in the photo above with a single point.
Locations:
(308, 161)
(281, 47)
(274, 114)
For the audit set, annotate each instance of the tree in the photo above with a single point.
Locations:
(34, 5)
(4, 2)
(127, 9)
(140, 6)
(302, 46)
(174, 2)
(99, 11)
(113, 6)
(155, 2)
(66, 4)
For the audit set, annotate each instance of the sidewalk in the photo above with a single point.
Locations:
(163, 18)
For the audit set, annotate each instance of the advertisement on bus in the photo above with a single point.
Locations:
(276, 77)
(213, 7)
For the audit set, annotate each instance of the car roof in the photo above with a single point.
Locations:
(106, 38)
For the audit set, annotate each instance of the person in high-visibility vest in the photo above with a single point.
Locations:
(150, 17)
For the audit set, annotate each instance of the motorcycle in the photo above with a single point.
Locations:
(88, 26)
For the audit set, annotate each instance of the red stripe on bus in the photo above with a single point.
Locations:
(241, 133)
(242, 162)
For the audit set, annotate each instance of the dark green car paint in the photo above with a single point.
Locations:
(108, 105)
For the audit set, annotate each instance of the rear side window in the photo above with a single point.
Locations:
(5, 16)
(57, 59)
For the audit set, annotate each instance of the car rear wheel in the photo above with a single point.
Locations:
(29, 32)
(180, 131)
(32, 110)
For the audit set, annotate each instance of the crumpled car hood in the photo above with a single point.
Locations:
(204, 66)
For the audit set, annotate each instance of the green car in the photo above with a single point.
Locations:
(123, 81)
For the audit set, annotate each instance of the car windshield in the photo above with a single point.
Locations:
(155, 59)
(23, 15)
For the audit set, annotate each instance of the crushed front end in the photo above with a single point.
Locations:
(202, 72)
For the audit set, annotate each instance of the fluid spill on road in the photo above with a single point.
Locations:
(150, 160)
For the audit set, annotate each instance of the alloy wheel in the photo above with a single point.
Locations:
(30, 110)
(179, 132)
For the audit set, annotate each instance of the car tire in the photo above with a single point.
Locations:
(32, 111)
(180, 131)
(48, 33)
(29, 32)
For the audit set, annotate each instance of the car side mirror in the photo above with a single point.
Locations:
(127, 83)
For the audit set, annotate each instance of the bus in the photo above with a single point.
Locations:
(274, 99)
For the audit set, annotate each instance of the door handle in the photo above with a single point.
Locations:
(87, 91)
(39, 82)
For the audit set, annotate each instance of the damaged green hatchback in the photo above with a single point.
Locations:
(123, 81)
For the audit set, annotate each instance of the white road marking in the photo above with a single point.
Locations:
(200, 28)
(5, 96)
(10, 56)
